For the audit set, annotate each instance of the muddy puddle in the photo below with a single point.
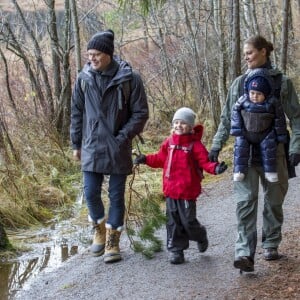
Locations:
(49, 247)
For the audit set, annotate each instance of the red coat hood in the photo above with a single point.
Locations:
(198, 132)
(187, 138)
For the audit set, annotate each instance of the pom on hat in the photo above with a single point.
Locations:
(260, 84)
(185, 114)
(102, 41)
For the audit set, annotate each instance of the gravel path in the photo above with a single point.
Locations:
(203, 276)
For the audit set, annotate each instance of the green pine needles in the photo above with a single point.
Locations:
(144, 217)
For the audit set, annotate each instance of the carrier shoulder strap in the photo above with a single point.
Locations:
(126, 88)
(187, 149)
(241, 85)
(277, 83)
(173, 147)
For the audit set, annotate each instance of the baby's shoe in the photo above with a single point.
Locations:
(238, 176)
(271, 177)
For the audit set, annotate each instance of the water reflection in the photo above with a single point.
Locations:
(51, 247)
(14, 275)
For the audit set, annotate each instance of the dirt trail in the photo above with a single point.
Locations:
(203, 276)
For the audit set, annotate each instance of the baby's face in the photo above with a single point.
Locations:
(180, 127)
(256, 97)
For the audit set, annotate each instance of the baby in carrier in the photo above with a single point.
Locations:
(258, 123)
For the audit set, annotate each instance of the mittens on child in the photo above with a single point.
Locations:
(140, 159)
(221, 167)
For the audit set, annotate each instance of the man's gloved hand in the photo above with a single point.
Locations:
(213, 155)
(140, 159)
(220, 168)
(294, 159)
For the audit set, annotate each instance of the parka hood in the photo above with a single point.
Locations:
(187, 138)
(198, 132)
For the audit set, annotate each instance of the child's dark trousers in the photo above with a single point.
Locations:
(182, 224)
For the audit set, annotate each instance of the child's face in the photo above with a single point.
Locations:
(256, 97)
(180, 127)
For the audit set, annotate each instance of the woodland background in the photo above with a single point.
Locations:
(188, 52)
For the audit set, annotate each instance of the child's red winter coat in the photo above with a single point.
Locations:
(181, 180)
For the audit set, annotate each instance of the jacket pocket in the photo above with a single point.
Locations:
(91, 135)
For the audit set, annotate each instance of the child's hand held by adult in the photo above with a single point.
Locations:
(221, 168)
(140, 159)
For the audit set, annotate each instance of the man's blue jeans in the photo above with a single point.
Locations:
(116, 193)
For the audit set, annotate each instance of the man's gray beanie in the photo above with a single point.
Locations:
(185, 114)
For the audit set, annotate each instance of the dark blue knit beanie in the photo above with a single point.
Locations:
(260, 84)
(102, 41)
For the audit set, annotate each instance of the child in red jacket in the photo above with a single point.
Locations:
(183, 157)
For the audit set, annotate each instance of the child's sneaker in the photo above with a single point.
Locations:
(271, 177)
(238, 176)
(176, 257)
(202, 246)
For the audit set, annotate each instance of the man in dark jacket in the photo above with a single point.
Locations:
(109, 108)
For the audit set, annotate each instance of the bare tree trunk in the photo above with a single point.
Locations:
(247, 20)
(267, 11)
(16, 48)
(218, 25)
(284, 34)
(254, 18)
(75, 25)
(163, 51)
(10, 96)
(64, 104)
(195, 50)
(7, 149)
(55, 49)
(236, 54)
(39, 60)
(145, 31)
(215, 106)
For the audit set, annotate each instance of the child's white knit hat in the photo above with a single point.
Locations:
(186, 114)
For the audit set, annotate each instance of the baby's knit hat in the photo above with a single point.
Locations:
(260, 84)
(186, 114)
(102, 41)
